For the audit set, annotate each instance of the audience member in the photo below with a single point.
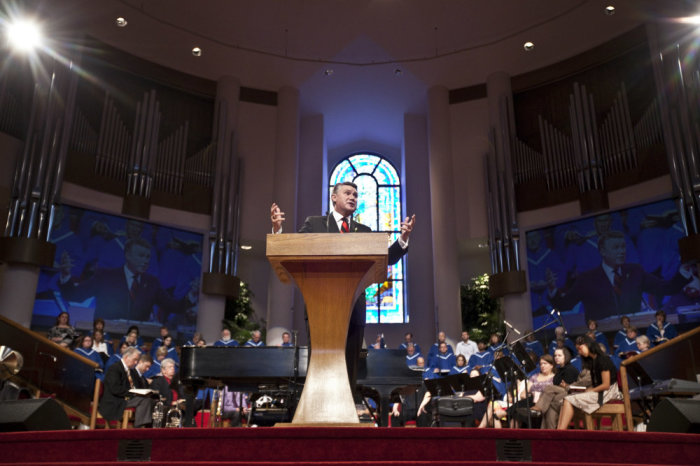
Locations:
(116, 396)
(603, 383)
(560, 334)
(622, 333)
(412, 355)
(286, 339)
(408, 338)
(98, 344)
(143, 366)
(549, 403)
(661, 331)
(85, 349)
(466, 347)
(63, 333)
(528, 395)
(460, 366)
(255, 339)
(481, 359)
(534, 345)
(226, 339)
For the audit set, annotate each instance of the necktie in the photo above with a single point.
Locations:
(344, 227)
(617, 282)
(134, 286)
(131, 381)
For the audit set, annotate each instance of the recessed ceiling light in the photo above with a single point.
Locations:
(121, 22)
(246, 247)
(609, 10)
(197, 52)
(528, 46)
(398, 72)
(328, 72)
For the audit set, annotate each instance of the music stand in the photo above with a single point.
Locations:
(523, 358)
(641, 377)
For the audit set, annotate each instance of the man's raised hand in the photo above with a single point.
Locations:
(276, 217)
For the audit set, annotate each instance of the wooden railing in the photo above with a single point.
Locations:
(52, 370)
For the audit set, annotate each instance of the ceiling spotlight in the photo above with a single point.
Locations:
(197, 52)
(398, 72)
(246, 247)
(24, 35)
(121, 22)
(609, 10)
(328, 72)
(528, 46)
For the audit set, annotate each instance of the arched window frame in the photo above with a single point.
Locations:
(389, 305)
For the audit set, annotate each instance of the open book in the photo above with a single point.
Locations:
(577, 388)
(142, 391)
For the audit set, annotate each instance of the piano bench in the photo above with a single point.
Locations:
(613, 410)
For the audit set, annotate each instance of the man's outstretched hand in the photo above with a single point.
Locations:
(277, 218)
(407, 227)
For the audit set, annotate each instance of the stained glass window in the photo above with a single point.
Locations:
(379, 207)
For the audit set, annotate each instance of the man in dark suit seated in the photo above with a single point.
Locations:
(127, 292)
(119, 379)
(616, 287)
(339, 220)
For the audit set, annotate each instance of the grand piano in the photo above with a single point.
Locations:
(248, 369)
(385, 372)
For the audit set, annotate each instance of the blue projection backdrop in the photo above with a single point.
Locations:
(92, 277)
(565, 260)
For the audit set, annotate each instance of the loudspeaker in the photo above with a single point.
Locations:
(676, 415)
(39, 414)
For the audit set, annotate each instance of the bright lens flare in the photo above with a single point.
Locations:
(24, 35)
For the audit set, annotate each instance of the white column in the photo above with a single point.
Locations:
(17, 291)
(443, 211)
(280, 300)
(419, 261)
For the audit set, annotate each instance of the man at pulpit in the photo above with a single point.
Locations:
(340, 220)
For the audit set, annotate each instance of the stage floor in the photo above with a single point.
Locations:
(337, 445)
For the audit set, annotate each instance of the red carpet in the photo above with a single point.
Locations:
(340, 446)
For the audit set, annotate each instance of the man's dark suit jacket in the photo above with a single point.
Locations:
(327, 224)
(114, 301)
(116, 388)
(599, 298)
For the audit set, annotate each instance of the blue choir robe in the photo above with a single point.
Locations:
(577, 363)
(628, 346)
(411, 360)
(157, 343)
(601, 338)
(498, 384)
(535, 346)
(231, 342)
(415, 345)
(483, 358)
(654, 333)
(501, 346)
(139, 341)
(287, 344)
(93, 355)
(112, 359)
(616, 360)
(434, 350)
(444, 362)
(251, 343)
(153, 371)
(620, 337)
(567, 342)
(172, 354)
(459, 370)
(430, 374)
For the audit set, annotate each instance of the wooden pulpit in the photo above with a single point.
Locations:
(331, 270)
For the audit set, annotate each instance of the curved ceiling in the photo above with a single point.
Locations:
(347, 56)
